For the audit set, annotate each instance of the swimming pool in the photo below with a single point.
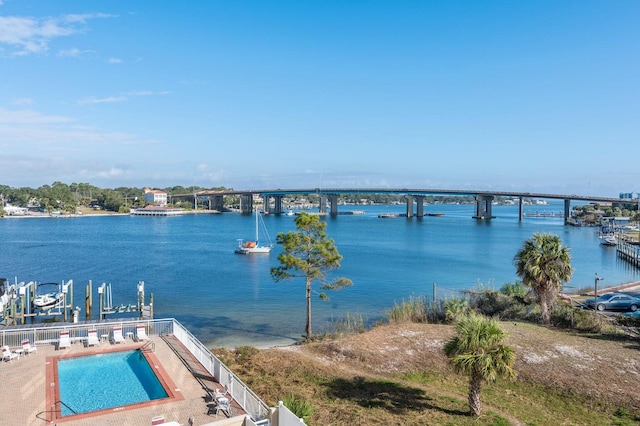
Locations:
(107, 380)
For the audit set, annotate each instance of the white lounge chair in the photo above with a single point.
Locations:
(7, 354)
(65, 340)
(157, 420)
(141, 333)
(27, 348)
(92, 338)
(116, 335)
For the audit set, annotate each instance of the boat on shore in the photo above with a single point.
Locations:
(254, 247)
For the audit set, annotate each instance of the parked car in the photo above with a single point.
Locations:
(614, 302)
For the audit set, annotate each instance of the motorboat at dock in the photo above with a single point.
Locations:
(48, 300)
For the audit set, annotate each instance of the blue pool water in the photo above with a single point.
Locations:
(97, 382)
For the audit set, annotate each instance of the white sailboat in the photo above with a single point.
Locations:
(251, 247)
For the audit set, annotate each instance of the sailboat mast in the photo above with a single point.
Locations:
(256, 225)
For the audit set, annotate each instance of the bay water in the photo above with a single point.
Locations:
(225, 299)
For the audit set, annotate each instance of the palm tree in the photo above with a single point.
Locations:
(544, 265)
(479, 350)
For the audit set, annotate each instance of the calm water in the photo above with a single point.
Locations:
(227, 299)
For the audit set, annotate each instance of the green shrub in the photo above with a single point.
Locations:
(591, 321)
(495, 303)
(455, 308)
(244, 354)
(516, 290)
(350, 324)
(416, 309)
(300, 407)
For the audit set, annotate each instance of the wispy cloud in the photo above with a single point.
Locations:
(107, 100)
(147, 93)
(114, 60)
(22, 101)
(30, 35)
(125, 96)
(30, 117)
(74, 53)
(37, 129)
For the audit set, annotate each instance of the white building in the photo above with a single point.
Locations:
(15, 211)
(155, 196)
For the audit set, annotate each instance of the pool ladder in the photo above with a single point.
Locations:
(148, 347)
(53, 411)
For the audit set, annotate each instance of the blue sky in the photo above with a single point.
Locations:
(508, 95)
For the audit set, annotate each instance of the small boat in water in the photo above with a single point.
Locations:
(609, 240)
(254, 247)
(48, 300)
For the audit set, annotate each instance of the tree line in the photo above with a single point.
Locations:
(60, 196)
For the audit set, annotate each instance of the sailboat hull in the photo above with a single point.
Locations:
(253, 250)
(253, 247)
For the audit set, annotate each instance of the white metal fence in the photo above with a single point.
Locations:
(240, 392)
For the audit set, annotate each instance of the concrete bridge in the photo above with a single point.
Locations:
(273, 199)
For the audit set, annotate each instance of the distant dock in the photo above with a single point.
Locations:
(543, 214)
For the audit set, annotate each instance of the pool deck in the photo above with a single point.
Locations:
(24, 382)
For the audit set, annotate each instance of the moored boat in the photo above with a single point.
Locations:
(609, 240)
(254, 247)
(48, 300)
(387, 215)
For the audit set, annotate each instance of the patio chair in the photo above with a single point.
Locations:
(116, 335)
(7, 354)
(141, 333)
(224, 392)
(157, 420)
(223, 404)
(65, 340)
(92, 338)
(27, 348)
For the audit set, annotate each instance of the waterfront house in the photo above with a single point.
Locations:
(14, 210)
(155, 196)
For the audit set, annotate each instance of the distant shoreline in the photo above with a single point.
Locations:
(60, 216)
(102, 214)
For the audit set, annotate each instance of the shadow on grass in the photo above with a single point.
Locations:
(389, 396)
(618, 338)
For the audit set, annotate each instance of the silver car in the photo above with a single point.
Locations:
(614, 302)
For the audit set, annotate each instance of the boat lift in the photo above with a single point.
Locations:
(16, 302)
(107, 307)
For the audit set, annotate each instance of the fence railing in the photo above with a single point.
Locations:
(240, 392)
(49, 334)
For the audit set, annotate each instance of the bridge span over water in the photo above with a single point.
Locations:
(414, 197)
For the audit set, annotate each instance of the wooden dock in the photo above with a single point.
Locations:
(628, 251)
